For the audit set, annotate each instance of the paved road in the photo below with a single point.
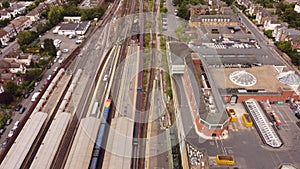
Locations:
(262, 40)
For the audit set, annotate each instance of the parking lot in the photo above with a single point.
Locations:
(248, 148)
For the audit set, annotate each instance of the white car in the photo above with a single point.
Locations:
(55, 60)
(11, 133)
(55, 69)
(57, 41)
(60, 60)
(65, 50)
(49, 77)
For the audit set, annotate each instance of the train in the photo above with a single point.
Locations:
(97, 147)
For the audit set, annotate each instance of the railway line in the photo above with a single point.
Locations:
(30, 144)
(44, 148)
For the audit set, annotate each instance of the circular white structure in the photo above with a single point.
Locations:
(242, 78)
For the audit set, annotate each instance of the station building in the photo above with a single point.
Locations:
(206, 105)
(212, 82)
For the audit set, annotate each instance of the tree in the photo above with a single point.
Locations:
(49, 47)
(6, 98)
(55, 14)
(32, 74)
(284, 46)
(5, 4)
(183, 12)
(26, 37)
(268, 33)
(11, 88)
(4, 22)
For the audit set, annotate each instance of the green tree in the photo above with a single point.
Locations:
(5, 4)
(6, 98)
(49, 47)
(268, 33)
(11, 88)
(4, 22)
(32, 74)
(183, 12)
(284, 46)
(26, 37)
(55, 14)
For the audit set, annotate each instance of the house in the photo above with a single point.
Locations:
(214, 20)
(24, 59)
(20, 23)
(262, 15)
(72, 19)
(4, 38)
(282, 33)
(198, 9)
(74, 28)
(297, 7)
(11, 31)
(271, 23)
(35, 14)
(245, 3)
(295, 41)
(17, 9)
(6, 13)
(254, 9)
(17, 67)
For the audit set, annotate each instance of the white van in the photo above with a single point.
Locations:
(34, 96)
(55, 31)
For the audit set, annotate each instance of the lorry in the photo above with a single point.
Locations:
(225, 160)
(247, 120)
(232, 114)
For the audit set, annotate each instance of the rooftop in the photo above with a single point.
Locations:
(265, 78)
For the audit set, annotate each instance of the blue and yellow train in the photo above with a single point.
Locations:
(99, 141)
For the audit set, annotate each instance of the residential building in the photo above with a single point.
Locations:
(17, 9)
(6, 13)
(198, 9)
(282, 33)
(11, 31)
(297, 7)
(245, 3)
(271, 23)
(262, 15)
(4, 38)
(254, 9)
(35, 14)
(226, 11)
(295, 41)
(20, 23)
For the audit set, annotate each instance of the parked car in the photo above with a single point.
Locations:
(18, 107)
(8, 121)
(60, 60)
(49, 77)
(78, 41)
(26, 95)
(2, 130)
(55, 69)
(11, 133)
(22, 110)
(298, 123)
(30, 90)
(5, 142)
(297, 114)
(65, 50)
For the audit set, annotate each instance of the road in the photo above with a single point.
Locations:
(262, 40)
